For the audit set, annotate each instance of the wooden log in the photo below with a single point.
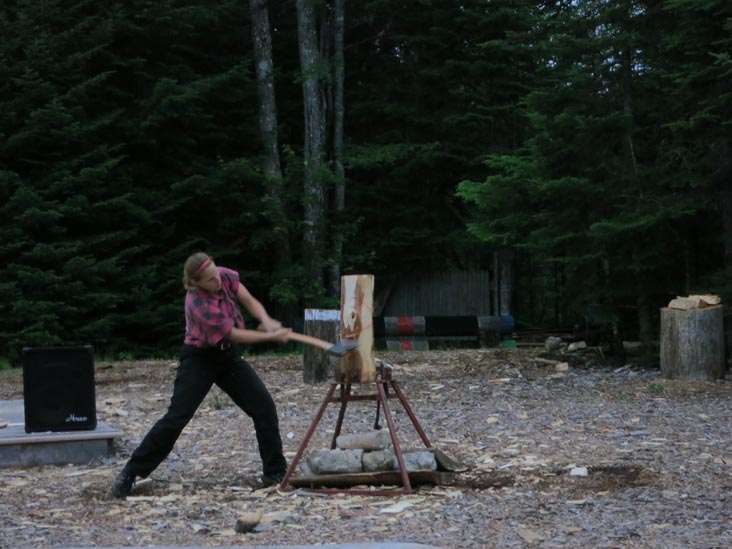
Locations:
(692, 343)
(546, 361)
(708, 299)
(357, 305)
(489, 328)
(382, 478)
(686, 303)
(318, 364)
(694, 301)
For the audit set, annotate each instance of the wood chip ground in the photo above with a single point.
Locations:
(598, 455)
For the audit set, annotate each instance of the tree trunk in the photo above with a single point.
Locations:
(643, 305)
(495, 286)
(505, 282)
(724, 184)
(610, 301)
(314, 149)
(631, 168)
(339, 202)
(264, 69)
(631, 162)
(645, 327)
(692, 343)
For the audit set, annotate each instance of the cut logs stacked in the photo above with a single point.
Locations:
(692, 338)
(694, 302)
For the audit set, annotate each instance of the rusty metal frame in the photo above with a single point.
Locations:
(381, 397)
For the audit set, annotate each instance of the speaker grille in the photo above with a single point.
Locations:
(58, 389)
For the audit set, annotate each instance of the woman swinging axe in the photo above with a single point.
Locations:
(210, 355)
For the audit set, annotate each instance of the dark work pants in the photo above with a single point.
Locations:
(198, 370)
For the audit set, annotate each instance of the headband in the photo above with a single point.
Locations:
(203, 265)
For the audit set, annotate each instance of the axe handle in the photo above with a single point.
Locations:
(309, 340)
(306, 339)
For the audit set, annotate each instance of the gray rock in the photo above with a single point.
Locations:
(380, 460)
(305, 468)
(420, 461)
(330, 462)
(373, 440)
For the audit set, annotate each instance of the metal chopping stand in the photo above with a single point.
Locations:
(383, 380)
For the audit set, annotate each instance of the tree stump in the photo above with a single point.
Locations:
(692, 343)
(357, 323)
(317, 364)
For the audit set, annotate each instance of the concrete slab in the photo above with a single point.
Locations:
(21, 449)
(361, 545)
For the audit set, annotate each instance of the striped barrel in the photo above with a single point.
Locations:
(407, 344)
(401, 326)
(405, 326)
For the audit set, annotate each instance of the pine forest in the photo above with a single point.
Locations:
(583, 146)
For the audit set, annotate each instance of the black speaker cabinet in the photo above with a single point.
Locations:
(58, 389)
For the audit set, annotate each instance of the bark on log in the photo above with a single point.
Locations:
(692, 343)
(318, 364)
(357, 323)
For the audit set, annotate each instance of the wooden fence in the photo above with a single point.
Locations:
(463, 293)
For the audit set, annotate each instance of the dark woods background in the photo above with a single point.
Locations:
(587, 143)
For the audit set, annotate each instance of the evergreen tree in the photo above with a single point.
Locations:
(431, 87)
(123, 153)
(583, 197)
(694, 64)
(58, 171)
(592, 138)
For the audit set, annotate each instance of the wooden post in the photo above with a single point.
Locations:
(357, 303)
(692, 343)
(317, 364)
(489, 329)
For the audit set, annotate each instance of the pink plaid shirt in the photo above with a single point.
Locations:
(210, 317)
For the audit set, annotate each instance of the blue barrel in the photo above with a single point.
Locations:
(507, 325)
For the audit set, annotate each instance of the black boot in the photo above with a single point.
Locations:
(123, 485)
(270, 479)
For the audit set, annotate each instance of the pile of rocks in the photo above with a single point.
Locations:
(364, 453)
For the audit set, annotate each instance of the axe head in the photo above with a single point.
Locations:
(342, 348)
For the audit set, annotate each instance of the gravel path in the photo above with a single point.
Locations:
(594, 456)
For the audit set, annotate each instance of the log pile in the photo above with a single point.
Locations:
(694, 302)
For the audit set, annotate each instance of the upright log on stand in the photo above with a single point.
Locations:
(317, 364)
(692, 343)
(357, 306)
